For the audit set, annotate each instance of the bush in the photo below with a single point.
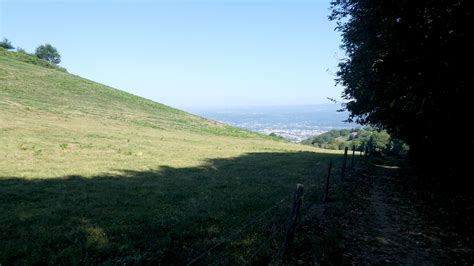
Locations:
(48, 53)
(28, 58)
(6, 44)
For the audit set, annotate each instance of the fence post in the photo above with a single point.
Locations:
(353, 155)
(344, 162)
(327, 182)
(290, 230)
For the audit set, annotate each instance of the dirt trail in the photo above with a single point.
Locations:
(395, 226)
(375, 218)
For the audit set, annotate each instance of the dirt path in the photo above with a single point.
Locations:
(395, 227)
(375, 218)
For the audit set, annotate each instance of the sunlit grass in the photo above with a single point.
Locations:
(90, 174)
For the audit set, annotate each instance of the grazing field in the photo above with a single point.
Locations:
(90, 174)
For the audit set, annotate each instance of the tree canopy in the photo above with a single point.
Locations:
(6, 44)
(377, 142)
(407, 71)
(48, 53)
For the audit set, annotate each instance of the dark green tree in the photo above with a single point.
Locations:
(408, 71)
(396, 147)
(6, 44)
(48, 53)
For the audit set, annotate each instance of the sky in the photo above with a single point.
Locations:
(189, 54)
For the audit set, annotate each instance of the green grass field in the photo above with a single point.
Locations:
(90, 174)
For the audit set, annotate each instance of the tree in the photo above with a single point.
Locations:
(396, 147)
(48, 53)
(6, 44)
(407, 71)
(379, 141)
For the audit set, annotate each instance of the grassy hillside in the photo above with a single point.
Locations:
(91, 174)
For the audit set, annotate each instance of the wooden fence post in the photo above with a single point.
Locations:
(344, 162)
(327, 182)
(290, 230)
(353, 155)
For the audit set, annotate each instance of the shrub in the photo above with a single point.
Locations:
(6, 44)
(48, 53)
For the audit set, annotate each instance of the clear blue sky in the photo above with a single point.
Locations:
(189, 53)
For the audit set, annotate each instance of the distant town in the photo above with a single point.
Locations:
(294, 123)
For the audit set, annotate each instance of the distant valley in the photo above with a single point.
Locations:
(294, 123)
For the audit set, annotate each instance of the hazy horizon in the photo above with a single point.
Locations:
(189, 53)
(257, 106)
(292, 122)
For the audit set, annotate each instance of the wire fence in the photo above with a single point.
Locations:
(253, 221)
(274, 227)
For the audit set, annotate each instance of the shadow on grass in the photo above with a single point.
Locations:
(168, 215)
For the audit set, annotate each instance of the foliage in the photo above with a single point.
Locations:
(275, 136)
(6, 44)
(376, 141)
(48, 53)
(407, 71)
(22, 56)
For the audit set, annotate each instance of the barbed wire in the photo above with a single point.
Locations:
(238, 231)
(272, 237)
(305, 207)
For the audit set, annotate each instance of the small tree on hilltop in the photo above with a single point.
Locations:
(6, 44)
(48, 53)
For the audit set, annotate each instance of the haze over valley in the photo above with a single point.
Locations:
(294, 123)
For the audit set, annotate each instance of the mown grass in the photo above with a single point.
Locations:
(90, 174)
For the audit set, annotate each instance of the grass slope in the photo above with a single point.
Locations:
(91, 174)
